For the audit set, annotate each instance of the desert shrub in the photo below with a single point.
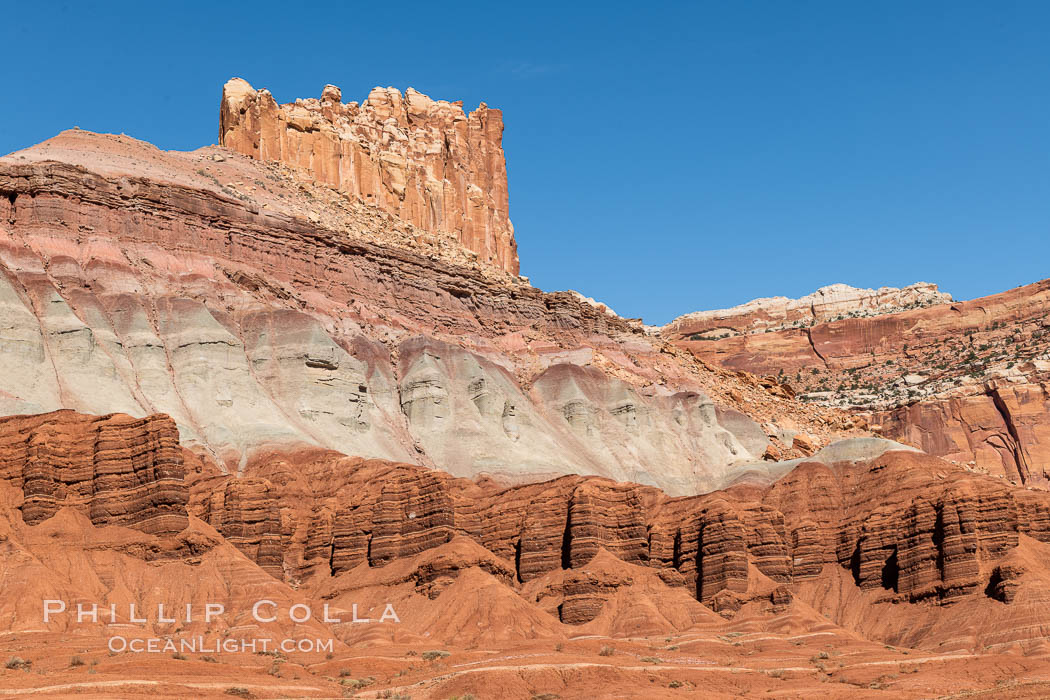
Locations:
(238, 692)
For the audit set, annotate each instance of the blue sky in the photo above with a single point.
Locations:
(663, 158)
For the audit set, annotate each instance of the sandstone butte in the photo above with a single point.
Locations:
(424, 161)
(301, 367)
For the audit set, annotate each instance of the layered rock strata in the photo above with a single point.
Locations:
(963, 380)
(140, 281)
(893, 527)
(114, 469)
(831, 303)
(903, 524)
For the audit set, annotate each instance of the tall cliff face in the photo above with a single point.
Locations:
(424, 161)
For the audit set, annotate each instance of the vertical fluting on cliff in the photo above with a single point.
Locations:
(422, 160)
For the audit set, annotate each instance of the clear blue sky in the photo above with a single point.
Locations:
(662, 158)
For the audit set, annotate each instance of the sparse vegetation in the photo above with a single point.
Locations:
(606, 651)
(239, 692)
(435, 654)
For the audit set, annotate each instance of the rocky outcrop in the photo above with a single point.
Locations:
(424, 161)
(338, 513)
(966, 381)
(831, 303)
(887, 529)
(905, 525)
(145, 282)
(1002, 431)
(114, 469)
(890, 359)
(245, 512)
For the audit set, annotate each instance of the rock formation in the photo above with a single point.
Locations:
(908, 525)
(260, 314)
(831, 303)
(424, 161)
(869, 537)
(335, 394)
(963, 380)
(999, 429)
(116, 470)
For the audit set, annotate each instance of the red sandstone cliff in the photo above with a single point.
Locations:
(424, 161)
(903, 526)
(909, 526)
(116, 470)
(835, 573)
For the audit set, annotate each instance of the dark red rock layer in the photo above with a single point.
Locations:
(912, 526)
(62, 199)
(116, 469)
(909, 526)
